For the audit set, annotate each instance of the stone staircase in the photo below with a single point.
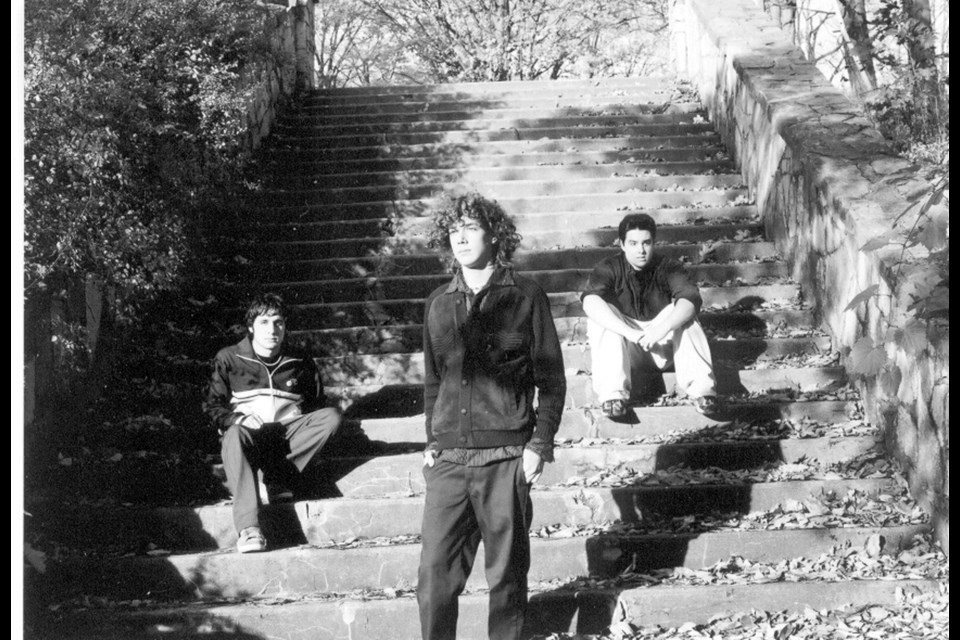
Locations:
(662, 519)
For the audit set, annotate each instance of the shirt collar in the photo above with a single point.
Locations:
(502, 276)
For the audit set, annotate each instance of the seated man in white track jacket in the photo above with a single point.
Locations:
(267, 403)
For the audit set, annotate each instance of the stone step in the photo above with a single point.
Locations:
(643, 421)
(619, 202)
(463, 90)
(306, 571)
(511, 188)
(300, 176)
(551, 611)
(366, 258)
(644, 100)
(337, 520)
(388, 400)
(654, 99)
(492, 119)
(406, 368)
(402, 473)
(429, 112)
(642, 151)
(403, 338)
(408, 311)
(552, 281)
(353, 238)
(332, 140)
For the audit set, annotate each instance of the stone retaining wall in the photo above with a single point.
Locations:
(289, 25)
(826, 183)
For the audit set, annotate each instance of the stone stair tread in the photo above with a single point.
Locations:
(643, 420)
(296, 177)
(378, 475)
(336, 520)
(447, 111)
(651, 151)
(622, 202)
(396, 368)
(306, 570)
(563, 286)
(399, 324)
(368, 617)
(304, 141)
(467, 88)
(722, 251)
(725, 224)
(499, 188)
(485, 120)
(569, 297)
(364, 400)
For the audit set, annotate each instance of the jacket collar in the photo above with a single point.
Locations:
(502, 276)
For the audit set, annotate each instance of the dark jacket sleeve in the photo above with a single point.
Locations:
(682, 285)
(216, 403)
(431, 377)
(548, 376)
(311, 386)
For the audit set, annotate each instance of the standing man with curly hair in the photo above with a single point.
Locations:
(490, 347)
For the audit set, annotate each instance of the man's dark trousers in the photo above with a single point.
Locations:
(245, 450)
(463, 505)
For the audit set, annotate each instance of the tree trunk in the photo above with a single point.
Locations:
(922, 54)
(863, 73)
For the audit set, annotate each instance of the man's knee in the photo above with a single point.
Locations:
(328, 419)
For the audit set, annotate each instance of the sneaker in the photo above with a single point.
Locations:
(614, 408)
(707, 405)
(251, 540)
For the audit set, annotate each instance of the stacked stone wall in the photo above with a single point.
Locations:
(826, 183)
(289, 27)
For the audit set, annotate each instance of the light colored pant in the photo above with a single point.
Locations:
(612, 355)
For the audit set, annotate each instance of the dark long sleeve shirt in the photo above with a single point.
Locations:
(643, 293)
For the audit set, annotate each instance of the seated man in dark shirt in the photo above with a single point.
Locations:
(639, 300)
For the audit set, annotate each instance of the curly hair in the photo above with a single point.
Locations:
(451, 210)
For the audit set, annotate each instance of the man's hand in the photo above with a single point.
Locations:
(652, 336)
(429, 457)
(532, 466)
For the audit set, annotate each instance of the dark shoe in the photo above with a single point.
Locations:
(614, 408)
(707, 405)
(251, 540)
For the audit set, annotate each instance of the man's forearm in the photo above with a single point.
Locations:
(598, 310)
(683, 312)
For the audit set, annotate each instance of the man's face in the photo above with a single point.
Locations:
(638, 247)
(268, 331)
(472, 245)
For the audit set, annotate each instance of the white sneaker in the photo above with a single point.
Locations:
(251, 540)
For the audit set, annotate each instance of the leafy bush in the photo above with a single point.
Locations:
(134, 115)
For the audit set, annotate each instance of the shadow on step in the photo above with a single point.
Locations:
(657, 527)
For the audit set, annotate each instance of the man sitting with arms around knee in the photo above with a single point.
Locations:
(640, 300)
(267, 403)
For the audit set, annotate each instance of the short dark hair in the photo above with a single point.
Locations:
(637, 221)
(264, 303)
(450, 210)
